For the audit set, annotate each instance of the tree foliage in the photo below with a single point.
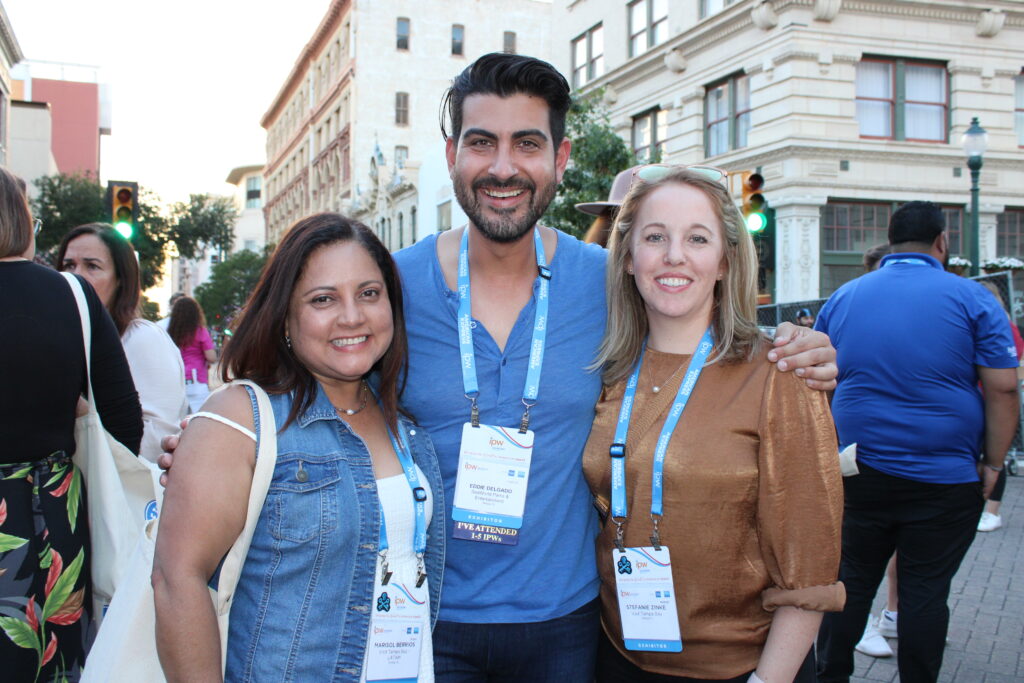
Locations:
(65, 201)
(204, 220)
(150, 238)
(230, 283)
(598, 154)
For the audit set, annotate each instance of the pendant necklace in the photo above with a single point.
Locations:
(655, 388)
(362, 404)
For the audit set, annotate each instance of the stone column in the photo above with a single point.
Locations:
(987, 228)
(797, 247)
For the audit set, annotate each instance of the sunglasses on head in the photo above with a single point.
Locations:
(654, 172)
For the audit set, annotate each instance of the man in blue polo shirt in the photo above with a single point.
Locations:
(913, 342)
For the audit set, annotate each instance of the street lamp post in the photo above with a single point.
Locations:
(975, 141)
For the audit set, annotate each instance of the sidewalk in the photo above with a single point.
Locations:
(986, 624)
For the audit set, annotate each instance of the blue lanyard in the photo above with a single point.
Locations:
(540, 319)
(419, 497)
(618, 447)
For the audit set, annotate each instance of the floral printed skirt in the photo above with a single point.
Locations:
(45, 592)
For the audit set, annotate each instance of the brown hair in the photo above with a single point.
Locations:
(15, 216)
(734, 316)
(186, 318)
(124, 305)
(258, 351)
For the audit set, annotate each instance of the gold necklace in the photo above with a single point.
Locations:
(362, 404)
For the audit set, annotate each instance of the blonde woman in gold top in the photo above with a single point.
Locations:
(744, 544)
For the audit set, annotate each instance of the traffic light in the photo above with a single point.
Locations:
(754, 206)
(124, 206)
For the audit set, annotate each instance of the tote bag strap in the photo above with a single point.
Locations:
(266, 460)
(83, 314)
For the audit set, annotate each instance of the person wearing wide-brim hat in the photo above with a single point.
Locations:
(600, 229)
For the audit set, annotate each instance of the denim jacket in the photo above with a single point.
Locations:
(301, 610)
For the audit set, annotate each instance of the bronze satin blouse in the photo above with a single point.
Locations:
(753, 504)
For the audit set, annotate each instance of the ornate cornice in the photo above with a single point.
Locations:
(737, 17)
(8, 41)
(298, 73)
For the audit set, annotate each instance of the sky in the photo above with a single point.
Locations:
(190, 79)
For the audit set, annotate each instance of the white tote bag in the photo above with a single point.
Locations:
(125, 649)
(123, 491)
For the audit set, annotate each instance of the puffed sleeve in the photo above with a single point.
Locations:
(800, 497)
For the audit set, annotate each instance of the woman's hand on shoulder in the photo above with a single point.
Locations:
(809, 353)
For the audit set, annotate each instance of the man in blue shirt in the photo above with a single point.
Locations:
(517, 604)
(913, 342)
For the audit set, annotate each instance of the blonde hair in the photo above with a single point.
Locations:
(15, 216)
(734, 314)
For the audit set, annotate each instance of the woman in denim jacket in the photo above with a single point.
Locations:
(326, 314)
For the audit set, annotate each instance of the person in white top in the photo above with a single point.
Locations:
(107, 260)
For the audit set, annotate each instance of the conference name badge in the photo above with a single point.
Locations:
(490, 488)
(398, 625)
(647, 599)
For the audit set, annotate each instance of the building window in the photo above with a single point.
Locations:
(458, 38)
(402, 108)
(401, 155)
(848, 229)
(402, 33)
(509, 42)
(444, 216)
(854, 227)
(1010, 233)
(588, 56)
(1018, 108)
(648, 25)
(649, 132)
(727, 115)
(412, 225)
(954, 227)
(253, 187)
(709, 7)
(401, 231)
(900, 99)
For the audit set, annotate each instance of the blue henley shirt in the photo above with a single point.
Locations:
(552, 570)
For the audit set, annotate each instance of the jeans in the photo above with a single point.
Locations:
(561, 650)
(930, 526)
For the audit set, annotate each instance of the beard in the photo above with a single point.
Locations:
(504, 227)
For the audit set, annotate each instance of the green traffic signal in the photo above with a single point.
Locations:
(124, 229)
(756, 222)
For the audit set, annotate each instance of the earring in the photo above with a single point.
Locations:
(629, 269)
(288, 341)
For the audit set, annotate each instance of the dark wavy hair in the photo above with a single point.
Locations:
(186, 318)
(257, 350)
(124, 305)
(504, 75)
